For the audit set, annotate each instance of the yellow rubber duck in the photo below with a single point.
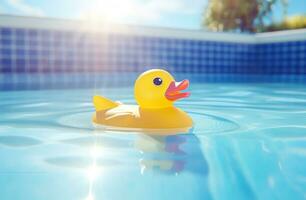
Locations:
(155, 92)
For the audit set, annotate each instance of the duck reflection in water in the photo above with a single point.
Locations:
(171, 154)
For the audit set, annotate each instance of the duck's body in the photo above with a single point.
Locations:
(148, 115)
(133, 116)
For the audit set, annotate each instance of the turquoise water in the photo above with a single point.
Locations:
(249, 142)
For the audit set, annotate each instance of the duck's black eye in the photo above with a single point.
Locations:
(157, 81)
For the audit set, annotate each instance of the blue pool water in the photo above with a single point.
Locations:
(249, 142)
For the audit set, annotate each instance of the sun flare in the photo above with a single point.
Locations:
(110, 11)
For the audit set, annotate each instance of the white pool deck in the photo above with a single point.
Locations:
(86, 26)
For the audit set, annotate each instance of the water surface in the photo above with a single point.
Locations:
(249, 142)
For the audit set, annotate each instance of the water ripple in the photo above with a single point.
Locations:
(19, 141)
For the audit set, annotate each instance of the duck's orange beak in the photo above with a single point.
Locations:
(174, 93)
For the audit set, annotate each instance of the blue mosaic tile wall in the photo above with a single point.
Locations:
(27, 50)
(281, 57)
(33, 52)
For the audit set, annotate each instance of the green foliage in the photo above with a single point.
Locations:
(293, 22)
(238, 15)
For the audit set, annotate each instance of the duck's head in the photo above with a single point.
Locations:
(156, 89)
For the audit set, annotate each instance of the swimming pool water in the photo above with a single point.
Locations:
(249, 142)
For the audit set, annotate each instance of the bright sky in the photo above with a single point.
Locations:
(165, 13)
